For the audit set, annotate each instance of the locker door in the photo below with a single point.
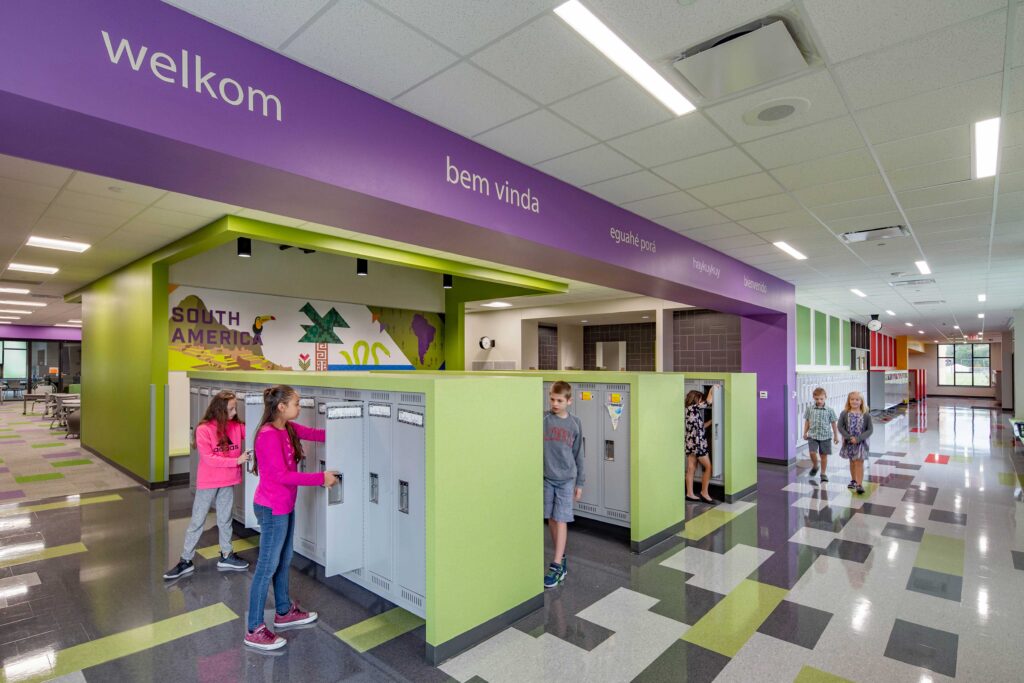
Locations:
(409, 503)
(305, 500)
(546, 403)
(238, 506)
(586, 404)
(320, 493)
(717, 441)
(343, 536)
(380, 488)
(252, 416)
(193, 454)
(614, 449)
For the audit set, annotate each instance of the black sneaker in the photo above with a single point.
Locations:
(183, 568)
(232, 562)
(824, 477)
(814, 471)
(852, 485)
(860, 489)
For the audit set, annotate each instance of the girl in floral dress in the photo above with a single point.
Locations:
(855, 427)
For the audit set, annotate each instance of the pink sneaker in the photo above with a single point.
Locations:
(263, 639)
(294, 617)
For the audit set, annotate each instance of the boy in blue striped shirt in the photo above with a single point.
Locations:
(820, 425)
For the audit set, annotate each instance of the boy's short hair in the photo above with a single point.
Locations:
(562, 389)
(818, 391)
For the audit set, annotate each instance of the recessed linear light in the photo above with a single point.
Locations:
(956, 327)
(922, 266)
(614, 48)
(10, 317)
(790, 250)
(497, 304)
(59, 245)
(584, 321)
(13, 290)
(909, 324)
(76, 322)
(12, 302)
(15, 310)
(66, 325)
(981, 315)
(25, 268)
(986, 148)
(858, 293)
(920, 331)
(982, 298)
(891, 312)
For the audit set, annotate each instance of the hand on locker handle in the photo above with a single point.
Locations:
(330, 478)
(244, 457)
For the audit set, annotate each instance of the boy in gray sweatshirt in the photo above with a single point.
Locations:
(563, 474)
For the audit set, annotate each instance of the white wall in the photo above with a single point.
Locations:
(1008, 379)
(929, 361)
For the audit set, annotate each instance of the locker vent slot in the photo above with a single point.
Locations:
(585, 387)
(412, 597)
(352, 393)
(617, 387)
(204, 392)
(306, 402)
(412, 398)
(253, 399)
(378, 581)
(586, 507)
(379, 410)
(240, 395)
(344, 412)
(618, 515)
(410, 418)
(193, 390)
(380, 396)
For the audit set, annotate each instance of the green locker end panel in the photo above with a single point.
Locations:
(803, 335)
(820, 338)
(833, 341)
(740, 427)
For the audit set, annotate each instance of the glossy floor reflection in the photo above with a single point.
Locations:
(917, 580)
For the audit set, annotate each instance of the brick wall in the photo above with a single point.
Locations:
(705, 341)
(547, 347)
(639, 338)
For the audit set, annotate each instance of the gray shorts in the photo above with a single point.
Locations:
(823, 446)
(558, 499)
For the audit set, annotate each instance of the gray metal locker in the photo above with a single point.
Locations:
(238, 506)
(586, 405)
(344, 446)
(247, 489)
(306, 513)
(612, 452)
(193, 415)
(379, 493)
(409, 460)
(318, 453)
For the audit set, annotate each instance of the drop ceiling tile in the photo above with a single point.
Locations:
(1012, 131)
(1012, 159)
(173, 218)
(966, 51)
(466, 25)
(928, 175)
(63, 228)
(950, 210)
(18, 189)
(589, 165)
(639, 185)
(763, 206)
(358, 44)
(816, 141)
(769, 252)
(1011, 182)
(537, 136)
(857, 207)
(612, 109)
(693, 220)
(26, 171)
(977, 222)
(1010, 207)
(708, 168)
(268, 22)
(848, 29)
(665, 205)
(94, 218)
(792, 219)
(939, 145)
(736, 189)
(712, 232)
(183, 203)
(92, 202)
(951, 192)
(546, 60)
(957, 236)
(816, 87)
(682, 138)
(802, 238)
(109, 188)
(843, 191)
(864, 222)
(466, 100)
(853, 164)
(747, 240)
(956, 105)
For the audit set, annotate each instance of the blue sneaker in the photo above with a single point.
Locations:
(555, 575)
(565, 567)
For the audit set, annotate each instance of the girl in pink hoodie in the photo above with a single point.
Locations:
(278, 452)
(219, 438)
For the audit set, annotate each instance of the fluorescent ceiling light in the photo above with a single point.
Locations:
(60, 245)
(66, 325)
(986, 148)
(890, 312)
(12, 302)
(10, 317)
(497, 304)
(79, 322)
(13, 290)
(909, 324)
(584, 321)
(923, 267)
(604, 39)
(982, 298)
(956, 327)
(920, 331)
(858, 292)
(981, 315)
(25, 268)
(15, 310)
(790, 250)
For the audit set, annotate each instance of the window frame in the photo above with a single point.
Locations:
(971, 373)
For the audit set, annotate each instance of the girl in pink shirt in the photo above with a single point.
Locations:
(278, 452)
(219, 438)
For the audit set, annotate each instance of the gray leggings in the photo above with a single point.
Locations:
(225, 498)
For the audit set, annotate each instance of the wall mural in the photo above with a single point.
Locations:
(213, 329)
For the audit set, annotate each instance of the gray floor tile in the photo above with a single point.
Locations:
(937, 584)
(684, 662)
(918, 645)
(876, 509)
(1018, 559)
(903, 531)
(848, 550)
(797, 624)
(948, 517)
(925, 496)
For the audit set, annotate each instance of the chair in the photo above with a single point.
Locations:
(16, 386)
(42, 395)
(74, 423)
(58, 402)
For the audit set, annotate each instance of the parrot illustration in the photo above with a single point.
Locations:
(257, 324)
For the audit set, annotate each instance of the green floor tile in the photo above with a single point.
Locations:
(40, 507)
(43, 554)
(9, 436)
(71, 463)
(942, 554)
(29, 478)
(703, 524)
(49, 444)
(377, 630)
(237, 545)
(809, 674)
(1011, 479)
(730, 623)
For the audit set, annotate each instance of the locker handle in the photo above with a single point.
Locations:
(336, 494)
(374, 488)
(403, 496)
(609, 450)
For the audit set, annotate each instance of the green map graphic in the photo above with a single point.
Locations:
(420, 335)
(322, 329)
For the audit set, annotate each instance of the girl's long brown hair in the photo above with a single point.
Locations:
(217, 412)
(273, 397)
(694, 397)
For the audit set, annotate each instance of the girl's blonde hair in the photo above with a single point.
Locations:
(863, 403)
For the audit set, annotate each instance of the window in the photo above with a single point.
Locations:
(964, 365)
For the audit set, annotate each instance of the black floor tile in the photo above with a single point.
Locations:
(895, 481)
(937, 584)
(918, 645)
(948, 517)
(1018, 559)
(557, 621)
(797, 624)
(684, 662)
(848, 550)
(876, 510)
(786, 566)
(925, 496)
(903, 531)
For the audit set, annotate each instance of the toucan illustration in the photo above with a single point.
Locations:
(257, 324)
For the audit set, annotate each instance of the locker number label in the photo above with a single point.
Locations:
(616, 398)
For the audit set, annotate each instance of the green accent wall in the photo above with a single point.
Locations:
(740, 417)
(820, 338)
(657, 471)
(847, 346)
(833, 341)
(803, 335)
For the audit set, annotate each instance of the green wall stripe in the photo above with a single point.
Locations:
(379, 629)
(820, 338)
(803, 335)
(833, 342)
(731, 622)
(847, 346)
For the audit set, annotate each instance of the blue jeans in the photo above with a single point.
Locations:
(274, 563)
